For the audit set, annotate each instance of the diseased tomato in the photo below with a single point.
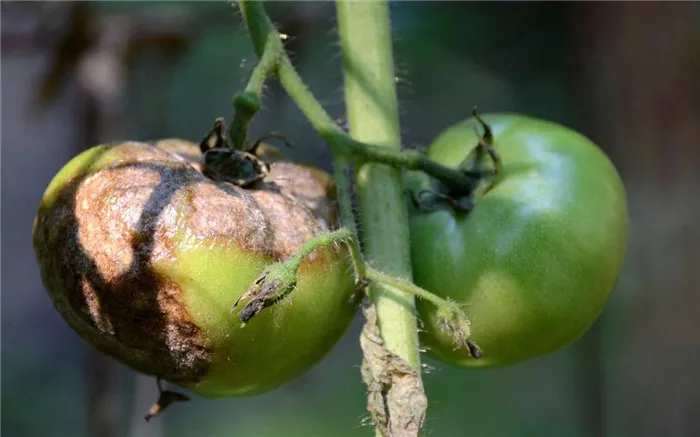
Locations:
(144, 256)
(536, 258)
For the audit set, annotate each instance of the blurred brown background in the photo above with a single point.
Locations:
(625, 74)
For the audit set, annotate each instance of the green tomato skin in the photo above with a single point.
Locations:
(535, 261)
(171, 316)
(279, 344)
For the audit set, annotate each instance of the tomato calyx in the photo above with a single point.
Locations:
(483, 166)
(457, 324)
(224, 163)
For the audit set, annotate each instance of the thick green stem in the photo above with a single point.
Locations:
(370, 96)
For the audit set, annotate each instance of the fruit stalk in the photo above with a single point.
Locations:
(247, 104)
(279, 279)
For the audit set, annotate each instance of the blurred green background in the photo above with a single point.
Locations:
(625, 74)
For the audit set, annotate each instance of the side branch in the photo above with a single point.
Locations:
(261, 29)
(247, 104)
(279, 280)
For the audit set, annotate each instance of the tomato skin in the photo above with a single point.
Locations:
(143, 257)
(536, 259)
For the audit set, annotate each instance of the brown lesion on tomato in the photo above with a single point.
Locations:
(288, 192)
(96, 247)
(98, 244)
(223, 214)
(184, 150)
(291, 223)
(312, 187)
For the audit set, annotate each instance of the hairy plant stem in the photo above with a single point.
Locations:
(396, 399)
(247, 104)
(343, 181)
(370, 96)
(288, 269)
(266, 38)
(372, 112)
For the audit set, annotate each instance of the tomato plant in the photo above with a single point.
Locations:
(536, 257)
(144, 256)
(144, 249)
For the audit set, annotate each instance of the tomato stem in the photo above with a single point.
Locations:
(247, 104)
(266, 39)
(343, 181)
(373, 117)
(279, 280)
(372, 113)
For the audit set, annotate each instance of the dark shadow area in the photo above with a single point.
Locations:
(135, 317)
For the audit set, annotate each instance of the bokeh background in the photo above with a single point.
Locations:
(625, 74)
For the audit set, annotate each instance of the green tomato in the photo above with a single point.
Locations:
(144, 256)
(535, 260)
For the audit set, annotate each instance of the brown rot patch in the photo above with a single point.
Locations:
(183, 149)
(97, 248)
(100, 242)
(312, 187)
